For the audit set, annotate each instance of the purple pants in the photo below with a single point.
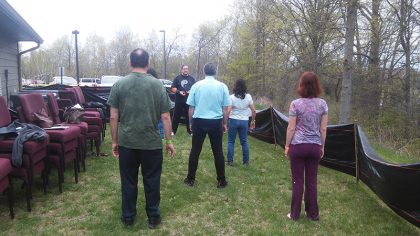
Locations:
(304, 160)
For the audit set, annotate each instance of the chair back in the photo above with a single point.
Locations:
(79, 95)
(69, 95)
(53, 107)
(5, 118)
(31, 103)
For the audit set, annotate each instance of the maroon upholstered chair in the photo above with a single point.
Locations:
(86, 134)
(75, 95)
(34, 158)
(63, 145)
(68, 98)
(6, 181)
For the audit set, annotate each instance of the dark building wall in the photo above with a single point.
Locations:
(8, 61)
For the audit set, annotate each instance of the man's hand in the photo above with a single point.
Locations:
(115, 152)
(225, 128)
(183, 93)
(170, 148)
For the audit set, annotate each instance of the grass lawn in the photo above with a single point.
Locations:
(255, 202)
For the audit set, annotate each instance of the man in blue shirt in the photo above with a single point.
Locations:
(209, 104)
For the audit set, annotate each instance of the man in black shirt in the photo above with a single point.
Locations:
(181, 87)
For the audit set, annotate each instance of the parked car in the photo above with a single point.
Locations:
(32, 83)
(166, 83)
(109, 80)
(66, 80)
(90, 82)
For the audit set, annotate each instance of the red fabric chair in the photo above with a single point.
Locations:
(75, 95)
(6, 181)
(63, 145)
(86, 134)
(34, 156)
(69, 97)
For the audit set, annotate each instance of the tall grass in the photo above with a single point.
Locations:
(255, 202)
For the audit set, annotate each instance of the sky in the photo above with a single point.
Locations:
(52, 19)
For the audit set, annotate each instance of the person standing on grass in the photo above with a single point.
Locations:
(138, 101)
(208, 113)
(238, 121)
(181, 87)
(153, 73)
(305, 141)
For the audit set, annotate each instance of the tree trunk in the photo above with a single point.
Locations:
(197, 73)
(405, 35)
(346, 90)
(372, 87)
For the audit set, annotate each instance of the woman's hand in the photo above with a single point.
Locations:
(286, 152)
(252, 126)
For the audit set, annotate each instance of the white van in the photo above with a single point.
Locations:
(90, 82)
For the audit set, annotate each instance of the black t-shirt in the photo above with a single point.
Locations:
(182, 83)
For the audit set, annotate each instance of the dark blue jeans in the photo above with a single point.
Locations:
(150, 162)
(200, 128)
(240, 127)
(161, 129)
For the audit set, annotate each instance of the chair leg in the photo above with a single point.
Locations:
(11, 198)
(97, 145)
(84, 154)
(60, 182)
(28, 196)
(78, 157)
(47, 171)
(76, 164)
(62, 164)
(44, 180)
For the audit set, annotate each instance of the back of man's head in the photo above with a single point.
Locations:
(139, 58)
(209, 69)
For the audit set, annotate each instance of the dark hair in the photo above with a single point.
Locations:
(309, 85)
(209, 69)
(139, 58)
(182, 67)
(239, 89)
(152, 72)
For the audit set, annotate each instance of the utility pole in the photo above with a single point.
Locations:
(75, 32)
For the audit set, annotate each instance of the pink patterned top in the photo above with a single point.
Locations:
(308, 112)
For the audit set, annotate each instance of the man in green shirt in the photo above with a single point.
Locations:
(138, 101)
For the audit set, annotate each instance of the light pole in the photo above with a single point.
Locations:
(164, 54)
(75, 32)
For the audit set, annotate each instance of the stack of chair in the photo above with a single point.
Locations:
(68, 98)
(63, 146)
(34, 158)
(86, 133)
(6, 181)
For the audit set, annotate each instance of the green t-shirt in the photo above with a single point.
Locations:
(140, 100)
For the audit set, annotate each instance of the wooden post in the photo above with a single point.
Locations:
(272, 123)
(356, 153)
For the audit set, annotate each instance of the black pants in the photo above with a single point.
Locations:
(181, 109)
(200, 128)
(151, 168)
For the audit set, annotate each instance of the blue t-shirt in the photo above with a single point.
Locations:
(208, 97)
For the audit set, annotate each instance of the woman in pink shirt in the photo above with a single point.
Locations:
(305, 139)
